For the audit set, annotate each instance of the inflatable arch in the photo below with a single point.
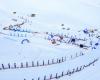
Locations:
(25, 41)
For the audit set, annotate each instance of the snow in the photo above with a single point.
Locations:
(30, 42)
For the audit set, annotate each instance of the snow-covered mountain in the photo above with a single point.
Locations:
(49, 40)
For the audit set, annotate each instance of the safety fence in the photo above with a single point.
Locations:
(39, 63)
(66, 73)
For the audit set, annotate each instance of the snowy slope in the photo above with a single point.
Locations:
(31, 41)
